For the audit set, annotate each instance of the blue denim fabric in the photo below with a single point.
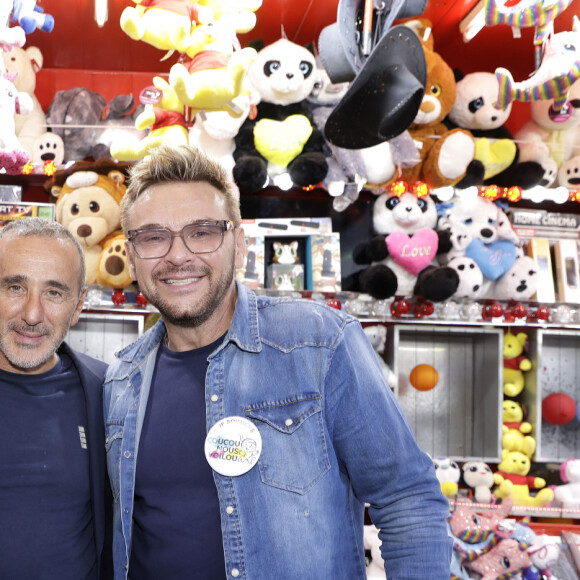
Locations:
(298, 514)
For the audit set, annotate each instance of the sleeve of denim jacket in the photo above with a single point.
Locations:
(377, 451)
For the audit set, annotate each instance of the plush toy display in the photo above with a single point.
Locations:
(512, 480)
(516, 431)
(10, 36)
(26, 63)
(377, 335)
(48, 148)
(559, 69)
(214, 131)
(568, 494)
(112, 267)
(481, 231)
(507, 558)
(88, 197)
(214, 74)
(402, 252)
(445, 154)
(448, 474)
(548, 138)
(282, 138)
(495, 148)
(78, 116)
(13, 157)
(478, 477)
(32, 17)
(514, 363)
(163, 116)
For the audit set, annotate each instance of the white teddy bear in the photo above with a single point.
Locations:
(12, 155)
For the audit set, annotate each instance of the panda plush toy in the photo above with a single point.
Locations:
(473, 109)
(401, 257)
(282, 140)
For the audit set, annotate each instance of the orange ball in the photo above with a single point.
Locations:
(424, 377)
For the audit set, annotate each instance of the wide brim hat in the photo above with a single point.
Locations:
(384, 97)
(340, 43)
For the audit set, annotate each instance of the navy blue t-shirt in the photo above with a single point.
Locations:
(176, 520)
(46, 525)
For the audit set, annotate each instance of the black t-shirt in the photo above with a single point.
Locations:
(46, 525)
(176, 520)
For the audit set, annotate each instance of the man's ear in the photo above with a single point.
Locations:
(130, 263)
(79, 307)
(240, 247)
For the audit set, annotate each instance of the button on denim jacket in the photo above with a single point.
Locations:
(333, 438)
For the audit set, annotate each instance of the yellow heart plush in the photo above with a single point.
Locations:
(496, 155)
(281, 141)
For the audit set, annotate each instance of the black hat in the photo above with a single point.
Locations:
(384, 98)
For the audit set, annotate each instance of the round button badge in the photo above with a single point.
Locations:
(233, 446)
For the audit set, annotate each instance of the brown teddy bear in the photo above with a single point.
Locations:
(88, 205)
(445, 154)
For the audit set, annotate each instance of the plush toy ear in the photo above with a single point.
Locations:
(36, 58)
(458, 74)
(117, 178)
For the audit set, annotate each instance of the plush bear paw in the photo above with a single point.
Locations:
(250, 173)
(437, 284)
(379, 281)
(455, 154)
(308, 169)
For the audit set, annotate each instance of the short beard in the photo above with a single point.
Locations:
(184, 318)
(21, 361)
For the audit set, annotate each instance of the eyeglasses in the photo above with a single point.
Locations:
(199, 238)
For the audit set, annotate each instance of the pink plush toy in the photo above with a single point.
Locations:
(12, 155)
(504, 560)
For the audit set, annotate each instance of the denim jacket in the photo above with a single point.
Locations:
(333, 438)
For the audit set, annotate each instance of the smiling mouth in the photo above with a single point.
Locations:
(180, 282)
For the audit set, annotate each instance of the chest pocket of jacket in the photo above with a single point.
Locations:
(294, 451)
(113, 442)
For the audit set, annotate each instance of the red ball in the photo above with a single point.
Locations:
(558, 409)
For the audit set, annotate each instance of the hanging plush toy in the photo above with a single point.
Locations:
(164, 118)
(559, 70)
(13, 157)
(537, 13)
(282, 141)
(30, 16)
(10, 36)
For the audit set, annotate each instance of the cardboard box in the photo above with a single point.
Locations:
(539, 250)
(566, 261)
(539, 223)
(285, 276)
(325, 262)
(14, 211)
(252, 272)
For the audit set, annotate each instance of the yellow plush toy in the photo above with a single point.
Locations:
(512, 480)
(514, 363)
(516, 431)
(165, 121)
(164, 24)
(214, 74)
(88, 197)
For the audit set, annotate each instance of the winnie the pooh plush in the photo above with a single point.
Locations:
(516, 431)
(514, 363)
(512, 480)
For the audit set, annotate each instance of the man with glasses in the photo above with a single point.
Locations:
(245, 433)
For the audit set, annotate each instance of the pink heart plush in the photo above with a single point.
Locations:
(413, 253)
